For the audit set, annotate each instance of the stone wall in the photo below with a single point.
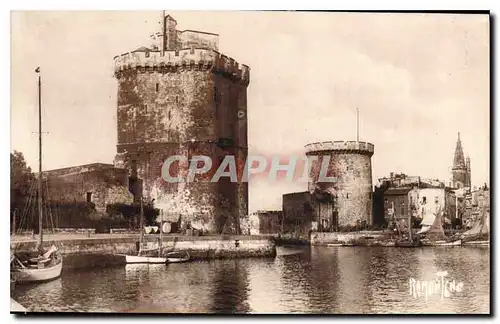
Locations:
(106, 248)
(185, 102)
(270, 222)
(325, 238)
(102, 184)
(298, 213)
(350, 165)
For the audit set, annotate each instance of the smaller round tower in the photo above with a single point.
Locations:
(350, 189)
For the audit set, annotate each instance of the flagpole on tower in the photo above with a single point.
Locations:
(357, 124)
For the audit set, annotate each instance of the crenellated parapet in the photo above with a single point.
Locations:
(341, 146)
(178, 61)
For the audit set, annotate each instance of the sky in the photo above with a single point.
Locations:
(417, 80)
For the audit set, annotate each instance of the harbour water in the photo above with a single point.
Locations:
(342, 280)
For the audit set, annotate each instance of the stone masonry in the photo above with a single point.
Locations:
(351, 193)
(186, 99)
(99, 183)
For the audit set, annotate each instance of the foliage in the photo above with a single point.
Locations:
(21, 179)
(131, 211)
(75, 214)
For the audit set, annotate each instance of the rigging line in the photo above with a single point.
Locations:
(48, 208)
(24, 214)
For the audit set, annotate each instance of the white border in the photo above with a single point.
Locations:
(193, 5)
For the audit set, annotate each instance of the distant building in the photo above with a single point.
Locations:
(298, 213)
(398, 180)
(474, 203)
(402, 196)
(461, 170)
(396, 204)
(98, 183)
(423, 200)
(346, 201)
(270, 221)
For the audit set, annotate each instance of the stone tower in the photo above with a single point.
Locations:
(351, 192)
(182, 97)
(461, 167)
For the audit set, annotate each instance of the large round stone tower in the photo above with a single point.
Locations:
(344, 200)
(182, 97)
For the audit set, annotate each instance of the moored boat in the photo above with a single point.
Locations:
(144, 259)
(37, 265)
(177, 257)
(407, 243)
(145, 256)
(442, 243)
(477, 243)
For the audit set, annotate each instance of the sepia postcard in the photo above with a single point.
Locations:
(250, 162)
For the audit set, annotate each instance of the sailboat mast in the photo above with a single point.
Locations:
(161, 236)
(410, 233)
(163, 33)
(141, 224)
(40, 212)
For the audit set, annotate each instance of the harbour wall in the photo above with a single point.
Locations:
(104, 250)
(362, 237)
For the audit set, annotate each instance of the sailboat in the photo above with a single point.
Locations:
(410, 241)
(147, 255)
(479, 234)
(432, 229)
(39, 265)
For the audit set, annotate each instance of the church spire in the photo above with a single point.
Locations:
(459, 160)
(460, 172)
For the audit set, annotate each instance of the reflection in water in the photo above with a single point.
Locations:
(323, 281)
(230, 287)
(299, 280)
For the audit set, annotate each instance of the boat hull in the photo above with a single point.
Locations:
(407, 244)
(454, 243)
(29, 275)
(176, 257)
(177, 260)
(129, 259)
(477, 243)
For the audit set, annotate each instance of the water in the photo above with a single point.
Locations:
(299, 280)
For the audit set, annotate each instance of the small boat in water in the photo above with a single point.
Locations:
(31, 267)
(442, 243)
(407, 243)
(433, 231)
(479, 234)
(477, 243)
(177, 257)
(152, 256)
(144, 259)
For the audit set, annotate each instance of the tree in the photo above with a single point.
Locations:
(21, 181)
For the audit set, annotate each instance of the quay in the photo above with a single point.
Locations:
(15, 307)
(81, 250)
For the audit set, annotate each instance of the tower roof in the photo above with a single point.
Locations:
(459, 160)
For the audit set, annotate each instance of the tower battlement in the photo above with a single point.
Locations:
(184, 59)
(341, 146)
